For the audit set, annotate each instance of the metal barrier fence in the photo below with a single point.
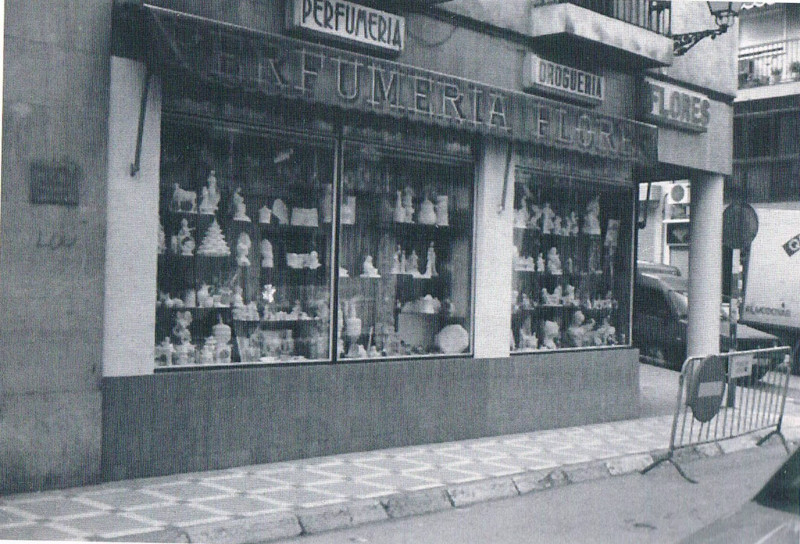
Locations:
(729, 395)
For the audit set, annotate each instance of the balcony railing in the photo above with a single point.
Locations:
(653, 15)
(769, 64)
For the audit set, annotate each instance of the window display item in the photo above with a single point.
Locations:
(164, 353)
(452, 339)
(185, 241)
(326, 203)
(181, 330)
(568, 298)
(442, 211)
(550, 335)
(264, 215)
(190, 299)
(267, 260)
(305, 217)
(183, 200)
(399, 212)
(540, 266)
(554, 262)
(557, 226)
(571, 226)
(591, 220)
(579, 330)
(553, 299)
(240, 209)
(209, 200)
(222, 334)
(427, 213)
(605, 334)
(268, 293)
(521, 215)
(528, 338)
(280, 211)
(204, 298)
(430, 265)
(311, 261)
(369, 270)
(352, 327)
(348, 211)
(548, 215)
(412, 264)
(408, 204)
(214, 244)
(243, 249)
(397, 265)
(343, 273)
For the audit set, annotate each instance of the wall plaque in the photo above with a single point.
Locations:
(54, 183)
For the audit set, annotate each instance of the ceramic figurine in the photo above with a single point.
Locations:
(547, 218)
(553, 299)
(526, 302)
(554, 262)
(396, 266)
(528, 340)
(578, 330)
(204, 298)
(535, 216)
(164, 352)
(267, 260)
(326, 203)
(181, 330)
(162, 240)
(521, 215)
(185, 239)
(214, 243)
(185, 354)
(343, 273)
(238, 297)
(208, 351)
(348, 211)
(568, 298)
(242, 249)
(591, 220)
(352, 322)
(408, 204)
(264, 215)
(605, 333)
(540, 266)
(550, 333)
(442, 212)
(572, 224)
(399, 213)
(268, 294)
(369, 270)
(430, 265)
(312, 261)
(557, 226)
(222, 334)
(412, 264)
(209, 200)
(427, 213)
(429, 305)
(240, 209)
(570, 266)
(372, 352)
(190, 299)
(181, 199)
(280, 211)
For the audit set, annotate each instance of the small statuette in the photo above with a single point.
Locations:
(183, 199)
(164, 352)
(408, 204)
(369, 269)
(553, 299)
(568, 299)
(396, 265)
(412, 264)
(240, 210)
(209, 199)
(264, 215)
(521, 215)
(591, 220)
(557, 226)
(554, 262)
(238, 297)
(572, 224)
(190, 299)
(352, 322)
(311, 260)
(204, 298)
(442, 212)
(343, 273)
(536, 215)
(427, 213)
(214, 243)
(540, 266)
(268, 294)
(280, 211)
(548, 216)
(430, 266)
(267, 260)
(305, 217)
(550, 333)
(185, 241)
(242, 249)
(578, 330)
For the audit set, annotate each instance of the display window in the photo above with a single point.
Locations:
(572, 265)
(292, 246)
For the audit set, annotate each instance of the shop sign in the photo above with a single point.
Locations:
(348, 21)
(562, 80)
(670, 105)
(280, 66)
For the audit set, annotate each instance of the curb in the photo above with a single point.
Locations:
(308, 521)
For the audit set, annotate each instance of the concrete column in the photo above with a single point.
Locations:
(705, 264)
(493, 243)
(132, 223)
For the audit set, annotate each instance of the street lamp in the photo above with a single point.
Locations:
(723, 12)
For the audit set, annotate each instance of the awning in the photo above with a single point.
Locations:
(231, 56)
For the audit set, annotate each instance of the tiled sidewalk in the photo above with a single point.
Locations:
(139, 507)
(207, 506)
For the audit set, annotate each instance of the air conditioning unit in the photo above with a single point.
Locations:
(679, 193)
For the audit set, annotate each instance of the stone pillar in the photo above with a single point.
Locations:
(705, 264)
(132, 223)
(493, 255)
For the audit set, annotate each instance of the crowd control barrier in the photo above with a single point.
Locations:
(728, 395)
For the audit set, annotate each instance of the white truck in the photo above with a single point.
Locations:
(771, 284)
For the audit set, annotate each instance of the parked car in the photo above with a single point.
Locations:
(660, 319)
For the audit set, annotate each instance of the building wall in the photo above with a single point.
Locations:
(55, 109)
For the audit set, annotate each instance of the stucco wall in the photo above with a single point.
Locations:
(55, 102)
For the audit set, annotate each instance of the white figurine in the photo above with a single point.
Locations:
(427, 212)
(181, 198)
(557, 226)
(280, 211)
(311, 261)
(568, 299)
(535, 216)
(209, 200)
(204, 298)
(554, 262)
(408, 204)
(399, 213)
(240, 213)
(442, 212)
(348, 211)
(267, 260)
(242, 249)
(591, 220)
(185, 241)
(547, 218)
(521, 215)
(550, 333)
(396, 267)
(540, 266)
(571, 227)
(430, 266)
(369, 270)
(412, 264)
(551, 299)
(264, 215)
(268, 294)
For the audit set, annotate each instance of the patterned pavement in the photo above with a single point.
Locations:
(127, 508)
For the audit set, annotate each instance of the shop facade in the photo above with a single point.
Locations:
(319, 242)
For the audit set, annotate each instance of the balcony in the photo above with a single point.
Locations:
(632, 33)
(772, 63)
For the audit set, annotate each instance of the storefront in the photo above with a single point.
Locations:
(334, 251)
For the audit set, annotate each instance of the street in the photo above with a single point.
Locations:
(657, 507)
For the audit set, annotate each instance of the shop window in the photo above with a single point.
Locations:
(405, 239)
(244, 254)
(572, 268)
(268, 242)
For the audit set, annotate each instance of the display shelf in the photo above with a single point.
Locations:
(293, 230)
